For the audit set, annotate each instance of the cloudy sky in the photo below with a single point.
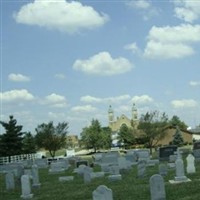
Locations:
(69, 60)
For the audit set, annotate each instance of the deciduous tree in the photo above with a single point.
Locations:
(152, 125)
(50, 137)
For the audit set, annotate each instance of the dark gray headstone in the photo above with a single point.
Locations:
(165, 152)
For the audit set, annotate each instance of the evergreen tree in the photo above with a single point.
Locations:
(11, 140)
(178, 139)
(29, 145)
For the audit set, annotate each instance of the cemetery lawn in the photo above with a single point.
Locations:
(129, 188)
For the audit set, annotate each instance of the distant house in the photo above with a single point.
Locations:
(196, 133)
(72, 141)
(169, 133)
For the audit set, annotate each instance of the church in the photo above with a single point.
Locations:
(116, 123)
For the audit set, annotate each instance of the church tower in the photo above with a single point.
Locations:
(110, 114)
(134, 113)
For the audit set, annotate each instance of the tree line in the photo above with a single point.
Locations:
(52, 137)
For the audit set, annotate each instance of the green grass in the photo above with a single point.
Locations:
(129, 188)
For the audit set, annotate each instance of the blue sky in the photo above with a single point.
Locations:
(69, 60)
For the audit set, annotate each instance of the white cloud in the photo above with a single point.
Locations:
(117, 99)
(171, 42)
(60, 15)
(143, 99)
(18, 78)
(90, 99)
(55, 100)
(133, 47)
(186, 10)
(60, 76)
(16, 96)
(103, 64)
(139, 4)
(194, 83)
(85, 108)
(184, 103)
(145, 7)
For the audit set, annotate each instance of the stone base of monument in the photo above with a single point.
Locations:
(36, 185)
(28, 196)
(116, 177)
(180, 180)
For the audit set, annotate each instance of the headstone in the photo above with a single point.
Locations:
(102, 193)
(87, 177)
(122, 163)
(172, 158)
(28, 172)
(56, 167)
(143, 155)
(196, 150)
(97, 174)
(157, 187)
(190, 164)
(180, 173)
(163, 169)
(141, 169)
(165, 152)
(26, 187)
(81, 162)
(116, 177)
(65, 178)
(20, 171)
(10, 181)
(41, 162)
(114, 169)
(35, 176)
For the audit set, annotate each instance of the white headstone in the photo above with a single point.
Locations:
(190, 164)
(26, 187)
(102, 193)
(122, 163)
(10, 182)
(141, 168)
(180, 173)
(157, 187)
(35, 176)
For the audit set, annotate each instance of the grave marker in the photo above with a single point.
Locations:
(26, 187)
(102, 193)
(157, 187)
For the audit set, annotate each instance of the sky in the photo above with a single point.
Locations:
(67, 61)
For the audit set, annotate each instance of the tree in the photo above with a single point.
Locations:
(178, 139)
(11, 140)
(50, 137)
(95, 136)
(106, 137)
(152, 125)
(126, 136)
(175, 121)
(29, 145)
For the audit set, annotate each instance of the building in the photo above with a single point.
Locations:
(169, 136)
(116, 123)
(72, 141)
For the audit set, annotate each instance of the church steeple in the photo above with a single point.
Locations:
(134, 113)
(110, 114)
